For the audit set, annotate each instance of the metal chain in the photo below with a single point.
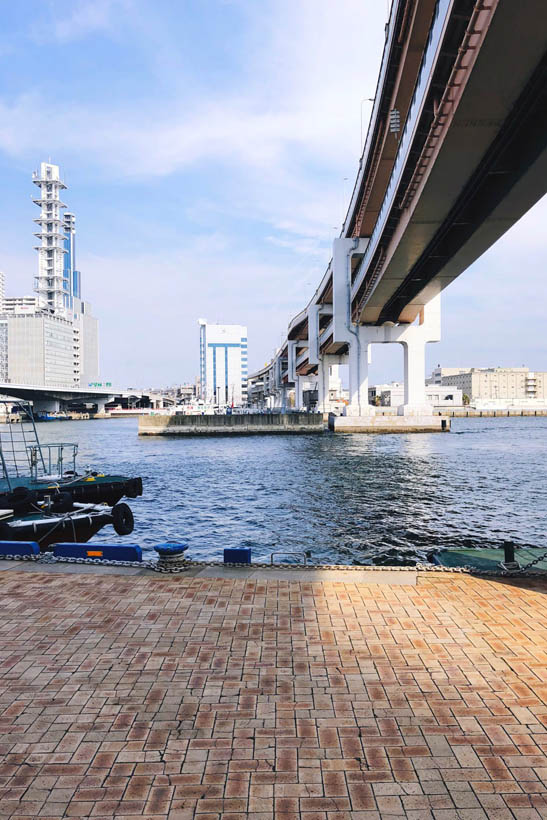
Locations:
(532, 563)
(45, 558)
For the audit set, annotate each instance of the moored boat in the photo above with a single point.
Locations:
(46, 526)
(42, 493)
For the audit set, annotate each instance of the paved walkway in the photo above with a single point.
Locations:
(137, 697)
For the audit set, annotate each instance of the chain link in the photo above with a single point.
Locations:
(155, 566)
(531, 564)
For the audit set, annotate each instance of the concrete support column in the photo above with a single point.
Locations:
(334, 377)
(101, 404)
(414, 341)
(414, 376)
(359, 355)
(323, 382)
(298, 392)
(292, 354)
(328, 378)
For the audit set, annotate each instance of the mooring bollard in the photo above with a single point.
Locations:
(509, 562)
(171, 554)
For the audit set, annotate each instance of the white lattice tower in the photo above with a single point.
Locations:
(49, 282)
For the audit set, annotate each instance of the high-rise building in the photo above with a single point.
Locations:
(223, 364)
(51, 250)
(71, 276)
(51, 338)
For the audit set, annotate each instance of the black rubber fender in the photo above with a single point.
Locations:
(133, 487)
(62, 503)
(122, 519)
(21, 499)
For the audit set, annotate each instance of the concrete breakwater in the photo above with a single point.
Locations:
(389, 424)
(245, 424)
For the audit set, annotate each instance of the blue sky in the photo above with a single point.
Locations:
(206, 146)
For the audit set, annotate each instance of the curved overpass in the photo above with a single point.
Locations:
(456, 153)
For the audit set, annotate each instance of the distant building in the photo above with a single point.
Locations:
(18, 305)
(223, 364)
(438, 373)
(41, 351)
(51, 338)
(3, 350)
(71, 276)
(393, 395)
(443, 396)
(509, 385)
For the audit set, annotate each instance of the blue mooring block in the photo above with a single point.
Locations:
(237, 555)
(170, 549)
(19, 548)
(100, 552)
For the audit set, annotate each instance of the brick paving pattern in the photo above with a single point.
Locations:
(136, 698)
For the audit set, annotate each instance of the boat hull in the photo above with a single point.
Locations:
(47, 532)
(99, 489)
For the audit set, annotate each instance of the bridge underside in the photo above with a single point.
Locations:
(489, 170)
(469, 160)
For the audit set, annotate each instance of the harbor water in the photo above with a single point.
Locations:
(350, 499)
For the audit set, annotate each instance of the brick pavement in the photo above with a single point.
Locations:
(248, 699)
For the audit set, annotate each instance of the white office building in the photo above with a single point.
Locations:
(223, 364)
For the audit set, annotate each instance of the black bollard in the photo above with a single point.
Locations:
(509, 549)
(509, 564)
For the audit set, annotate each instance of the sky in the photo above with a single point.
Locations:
(210, 148)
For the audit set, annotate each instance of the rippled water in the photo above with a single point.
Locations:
(348, 498)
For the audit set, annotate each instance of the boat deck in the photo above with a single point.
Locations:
(131, 696)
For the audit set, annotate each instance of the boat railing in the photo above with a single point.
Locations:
(55, 460)
(17, 435)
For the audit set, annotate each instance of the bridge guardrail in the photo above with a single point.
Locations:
(435, 37)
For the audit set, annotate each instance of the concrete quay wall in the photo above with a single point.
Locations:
(473, 413)
(248, 424)
(389, 424)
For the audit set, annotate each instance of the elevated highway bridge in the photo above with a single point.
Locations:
(52, 399)
(456, 153)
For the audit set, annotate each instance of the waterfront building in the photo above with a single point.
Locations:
(503, 386)
(40, 351)
(393, 395)
(50, 338)
(223, 364)
(438, 373)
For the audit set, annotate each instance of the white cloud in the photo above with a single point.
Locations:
(273, 146)
(294, 120)
(84, 17)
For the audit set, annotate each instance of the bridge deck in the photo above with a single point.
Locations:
(212, 697)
